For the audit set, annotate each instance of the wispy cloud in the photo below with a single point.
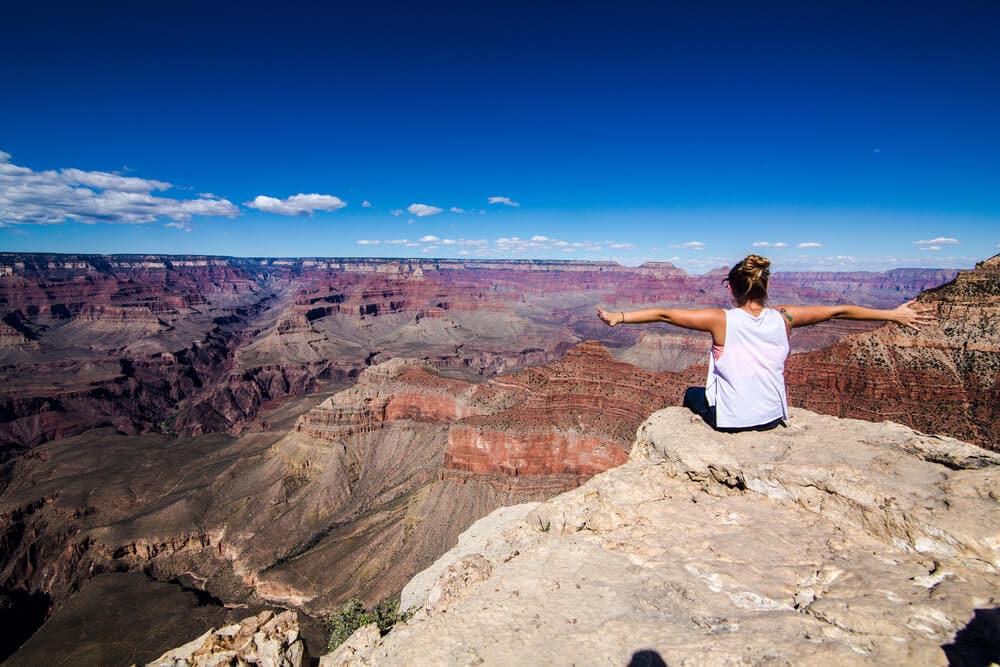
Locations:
(513, 246)
(506, 201)
(767, 244)
(455, 209)
(690, 245)
(809, 244)
(297, 205)
(52, 197)
(183, 226)
(939, 241)
(368, 242)
(397, 212)
(366, 204)
(423, 210)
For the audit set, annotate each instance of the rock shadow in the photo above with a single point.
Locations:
(978, 643)
(646, 658)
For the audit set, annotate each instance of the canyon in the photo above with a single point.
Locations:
(189, 345)
(289, 433)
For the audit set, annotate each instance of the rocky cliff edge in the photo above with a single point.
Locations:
(832, 541)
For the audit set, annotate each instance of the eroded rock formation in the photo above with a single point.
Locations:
(829, 542)
(264, 639)
(369, 487)
(192, 345)
(943, 379)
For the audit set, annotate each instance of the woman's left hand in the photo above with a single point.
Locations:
(914, 315)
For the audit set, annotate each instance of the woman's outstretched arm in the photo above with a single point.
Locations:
(712, 320)
(909, 314)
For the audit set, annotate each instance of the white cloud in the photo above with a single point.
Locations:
(930, 247)
(423, 210)
(179, 225)
(397, 212)
(366, 204)
(53, 197)
(368, 242)
(300, 204)
(767, 244)
(104, 181)
(941, 240)
(691, 245)
(506, 201)
(809, 244)
(455, 209)
(536, 245)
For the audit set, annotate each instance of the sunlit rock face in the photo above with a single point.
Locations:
(942, 379)
(831, 541)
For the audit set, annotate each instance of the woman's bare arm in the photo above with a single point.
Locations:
(909, 314)
(712, 320)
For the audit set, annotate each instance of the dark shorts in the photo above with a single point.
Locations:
(695, 399)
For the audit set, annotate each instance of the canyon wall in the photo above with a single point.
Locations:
(943, 379)
(368, 487)
(190, 345)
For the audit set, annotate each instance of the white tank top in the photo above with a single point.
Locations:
(747, 384)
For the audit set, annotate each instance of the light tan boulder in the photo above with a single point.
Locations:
(264, 640)
(831, 541)
(359, 644)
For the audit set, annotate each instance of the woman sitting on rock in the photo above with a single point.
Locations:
(745, 389)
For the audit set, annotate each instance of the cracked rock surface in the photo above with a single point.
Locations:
(832, 541)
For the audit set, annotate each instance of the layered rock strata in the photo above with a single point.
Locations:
(370, 486)
(192, 345)
(833, 541)
(943, 379)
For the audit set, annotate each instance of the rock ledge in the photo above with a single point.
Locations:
(833, 541)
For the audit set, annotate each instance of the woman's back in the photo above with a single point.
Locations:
(746, 384)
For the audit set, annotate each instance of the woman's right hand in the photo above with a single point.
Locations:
(611, 319)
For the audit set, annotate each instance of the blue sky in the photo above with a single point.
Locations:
(835, 136)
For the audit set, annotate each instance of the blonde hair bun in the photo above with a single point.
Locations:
(756, 265)
(749, 278)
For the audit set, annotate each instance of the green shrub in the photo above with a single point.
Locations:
(353, 615)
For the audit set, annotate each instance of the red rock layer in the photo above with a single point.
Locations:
(576, 416)
(944, 379)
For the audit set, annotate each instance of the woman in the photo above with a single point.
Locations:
(745, 390)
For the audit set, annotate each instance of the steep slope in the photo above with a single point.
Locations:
(370, 486)
(944, 379)
(829, 542)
